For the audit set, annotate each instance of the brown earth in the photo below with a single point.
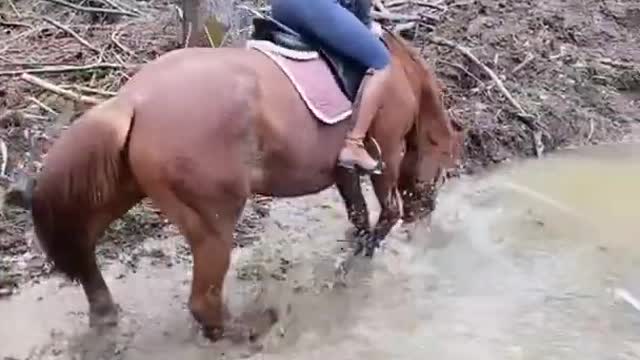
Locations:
(573, 65)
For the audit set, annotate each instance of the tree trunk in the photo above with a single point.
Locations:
(210, 22)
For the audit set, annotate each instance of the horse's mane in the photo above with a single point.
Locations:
(442, 133)
(395, 41)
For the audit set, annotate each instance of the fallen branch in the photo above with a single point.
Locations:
(123, 7)
(466, 52)
(379, 4)
(523, 116)
(58, 90)
(405, 27)
(15, 24)
(461, 68)
(90, 90)
(71, 32)
(14, 8)
(17, 37)
(378, 15)
(524, 63)
(43, 106)
(618, 64)
(65, 68)
(415, 2)
(5, 158)
(117, 43)
(94, 9)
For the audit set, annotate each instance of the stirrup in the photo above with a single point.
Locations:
(353, 165)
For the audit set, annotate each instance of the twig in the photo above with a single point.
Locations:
(114, 38)
(5, 158)
(14, 8)
(15, 24)
(58, 90)
(619, 64)
(70, 32)
(524, 63)
(65, 68)
(209, 39)
(592, 128)
(415, 2)
(377, 15)
(89, 90)
(461, 68)
(123, 7)
(379, 4)
(93, 9)
(17, 37)
(405, 26)
(43, 106)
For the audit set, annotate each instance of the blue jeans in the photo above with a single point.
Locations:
(332, 25)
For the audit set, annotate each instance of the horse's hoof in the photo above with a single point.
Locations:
(251, 327)
(213, 333)
(104, 320)
(368, 245)
(370, 250)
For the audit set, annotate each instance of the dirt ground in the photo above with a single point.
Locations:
(573, 65)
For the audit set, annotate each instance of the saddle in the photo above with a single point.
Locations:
(347, 73)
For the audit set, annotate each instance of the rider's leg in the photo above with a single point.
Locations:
(338, 28)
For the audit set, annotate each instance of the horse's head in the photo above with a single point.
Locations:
(435, 142)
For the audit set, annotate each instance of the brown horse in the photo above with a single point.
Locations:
(198, 131)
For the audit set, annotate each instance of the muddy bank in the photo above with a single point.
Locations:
(574, 65)
(523, 263)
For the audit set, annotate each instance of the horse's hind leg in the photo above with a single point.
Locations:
(205, 203)
(207, 220)
(102, 309)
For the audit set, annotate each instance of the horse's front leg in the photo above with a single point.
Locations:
(350, 189)
(386, 190)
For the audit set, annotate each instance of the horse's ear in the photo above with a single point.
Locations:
(20, 193)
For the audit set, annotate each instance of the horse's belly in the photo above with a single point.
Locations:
(295, 170)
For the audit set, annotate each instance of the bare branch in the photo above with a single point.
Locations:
(71, 32)
(14, 8)
(89, 90)
(466, 52)
(93, 9)
(524, 63)
(66, 68)
(523, 116)
(114, 38)
(5, 158)
(58, 90)
(43, 106)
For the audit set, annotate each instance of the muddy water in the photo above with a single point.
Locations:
(530, 261)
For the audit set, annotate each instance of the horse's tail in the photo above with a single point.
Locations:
(82, 175)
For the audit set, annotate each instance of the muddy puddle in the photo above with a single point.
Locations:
(535, 260)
